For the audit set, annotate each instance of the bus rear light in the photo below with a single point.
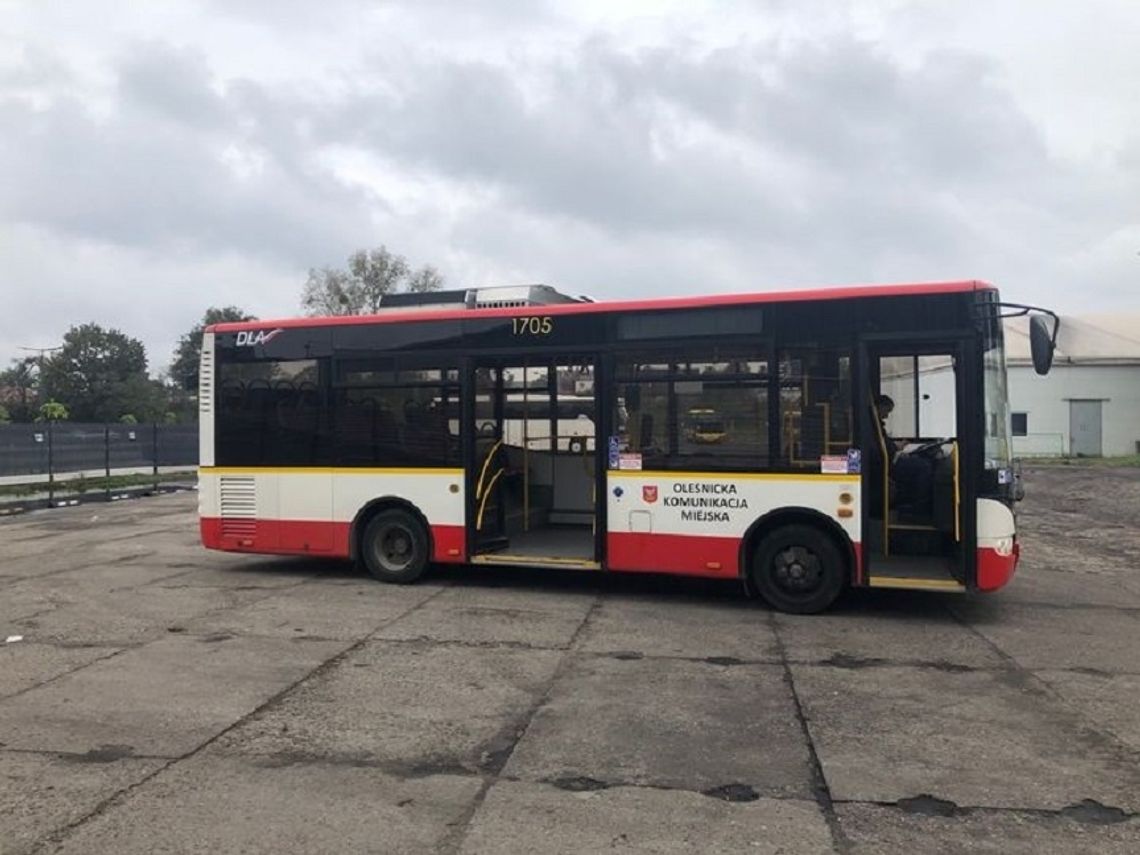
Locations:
(846, 498)
(1004, 546)
(712, 565)
(453, 551)
(845, 513)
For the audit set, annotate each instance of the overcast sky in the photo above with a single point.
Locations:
(157, 158)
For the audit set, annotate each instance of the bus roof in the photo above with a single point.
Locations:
(844, 292)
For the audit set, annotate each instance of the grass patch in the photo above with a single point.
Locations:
(103, 483)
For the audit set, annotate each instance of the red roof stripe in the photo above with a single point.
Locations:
(697, 302)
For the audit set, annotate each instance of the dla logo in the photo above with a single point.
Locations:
(252, 338)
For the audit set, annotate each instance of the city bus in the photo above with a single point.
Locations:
(865, 437)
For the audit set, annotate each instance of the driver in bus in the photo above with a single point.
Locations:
(913, 475)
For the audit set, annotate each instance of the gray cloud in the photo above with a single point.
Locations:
(178, 165)
(554, 153)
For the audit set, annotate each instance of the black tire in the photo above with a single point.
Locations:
(395, 547)
(798, 569)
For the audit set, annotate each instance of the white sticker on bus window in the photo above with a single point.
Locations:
(629, 460)
(833, 464)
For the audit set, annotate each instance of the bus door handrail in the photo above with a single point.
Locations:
(483, 503)
(483, 471)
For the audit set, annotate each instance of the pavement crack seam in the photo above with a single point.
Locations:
(499, 758)
(88, 756)
(820, 787)
(129, 557)
(1081, 722)
(57, 836)
(1086, 812)
(71, 671)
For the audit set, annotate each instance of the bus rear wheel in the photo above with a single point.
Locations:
(395, 547)
(798, 569)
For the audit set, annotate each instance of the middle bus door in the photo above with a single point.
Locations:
(533, 463)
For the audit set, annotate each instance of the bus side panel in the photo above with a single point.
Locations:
(293, 512)
(637, 552)
(238, 510)
(997, 545)
(435, 493)
(692, 523)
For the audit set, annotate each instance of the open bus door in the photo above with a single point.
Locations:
(918, 436)
(533, 466)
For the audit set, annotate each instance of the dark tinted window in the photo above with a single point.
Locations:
(389, 412)
(1020, 424)
(271, 413)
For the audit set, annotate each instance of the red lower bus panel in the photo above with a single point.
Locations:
(716, 557)
(994, 570)
(450, 544)
(307, 537)
(279, 537)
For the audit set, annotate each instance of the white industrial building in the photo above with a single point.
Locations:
(1089, 404)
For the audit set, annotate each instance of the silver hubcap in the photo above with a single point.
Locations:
(394, 548)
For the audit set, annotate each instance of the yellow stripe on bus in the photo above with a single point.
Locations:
(732, 476)
(322, 470)
(912, 584)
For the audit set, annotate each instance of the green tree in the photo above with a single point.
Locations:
(52, 411)
(184, 366)
(18, 389)
(359, 290)
(98, 374)
(144, 399)
(427, 278)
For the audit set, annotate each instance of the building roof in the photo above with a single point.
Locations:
(1088, 339)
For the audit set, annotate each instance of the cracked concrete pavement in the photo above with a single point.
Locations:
(169, 699)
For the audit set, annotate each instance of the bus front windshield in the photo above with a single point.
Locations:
(998, 453)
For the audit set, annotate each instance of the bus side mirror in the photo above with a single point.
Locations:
(1041, 343)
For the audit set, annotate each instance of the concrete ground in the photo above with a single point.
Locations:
(169, 699)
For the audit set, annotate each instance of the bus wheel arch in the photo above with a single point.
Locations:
(824, 543)
(398, 513)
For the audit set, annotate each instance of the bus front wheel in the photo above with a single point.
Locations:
(395, 547)
(798, 569)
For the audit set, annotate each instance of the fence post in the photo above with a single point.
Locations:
(107, 461)
(51, 467)
(154, 451)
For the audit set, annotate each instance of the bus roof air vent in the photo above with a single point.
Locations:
(498, 297)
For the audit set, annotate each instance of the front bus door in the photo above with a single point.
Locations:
(916, 429)
(533, 466)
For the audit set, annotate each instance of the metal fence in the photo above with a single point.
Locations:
(64, 452)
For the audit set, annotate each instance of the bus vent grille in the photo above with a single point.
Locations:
(501, 304)
(206, 381)
(239, 506)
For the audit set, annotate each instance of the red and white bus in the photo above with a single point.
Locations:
(862, 437)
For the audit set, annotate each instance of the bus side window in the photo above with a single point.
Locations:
(815, 405)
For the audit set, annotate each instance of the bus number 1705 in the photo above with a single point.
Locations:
(532, 326)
